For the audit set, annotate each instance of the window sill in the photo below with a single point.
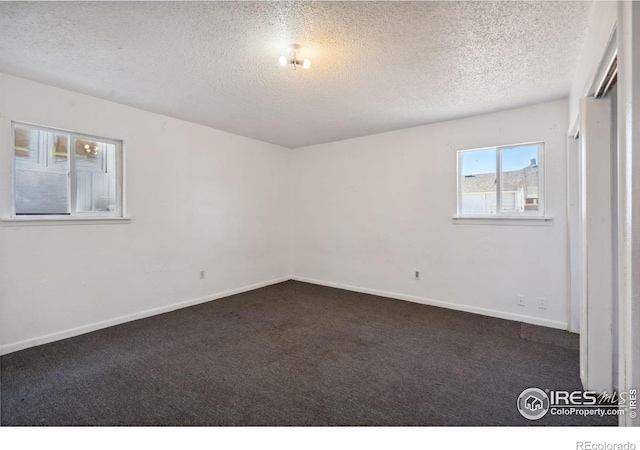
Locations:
(61, 220)
(518, 221)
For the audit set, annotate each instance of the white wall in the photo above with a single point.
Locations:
(574, 234)
(200, 199)
(629, 196)
(363, 213)
(369, 211)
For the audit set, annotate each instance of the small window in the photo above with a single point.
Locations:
(60, 173)
(501, 181)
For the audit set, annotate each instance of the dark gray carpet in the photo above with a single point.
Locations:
(292, 354)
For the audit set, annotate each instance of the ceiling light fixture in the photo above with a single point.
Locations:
(292, 58)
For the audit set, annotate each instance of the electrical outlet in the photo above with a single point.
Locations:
(416, 274)
(542, 303)
(202, 274)
(520, 300)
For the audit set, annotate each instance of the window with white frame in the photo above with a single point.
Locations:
(60, 173)
(505, 181)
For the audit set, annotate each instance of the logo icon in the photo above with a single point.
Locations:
(533, 403)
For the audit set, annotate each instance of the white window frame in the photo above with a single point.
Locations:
(539, 214)
(73, 216)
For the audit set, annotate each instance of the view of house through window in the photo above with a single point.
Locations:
(51, 180)
(500, 181)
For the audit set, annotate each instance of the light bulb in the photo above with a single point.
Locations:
(306, 63)
(283, 61)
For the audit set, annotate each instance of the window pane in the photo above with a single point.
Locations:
(41, 172)
(519, 179)
(479, 182)
(95, 176)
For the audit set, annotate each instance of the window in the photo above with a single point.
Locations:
(501, 181)
(59, 173)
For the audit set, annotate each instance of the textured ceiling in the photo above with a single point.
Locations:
(376, 66)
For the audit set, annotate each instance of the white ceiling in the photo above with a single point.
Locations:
(376, 66)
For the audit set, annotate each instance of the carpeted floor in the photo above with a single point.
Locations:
(293, 354)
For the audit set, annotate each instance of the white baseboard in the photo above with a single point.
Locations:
(441, 304)
(45, 339)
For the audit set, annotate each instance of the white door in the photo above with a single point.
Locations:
(596, 209)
